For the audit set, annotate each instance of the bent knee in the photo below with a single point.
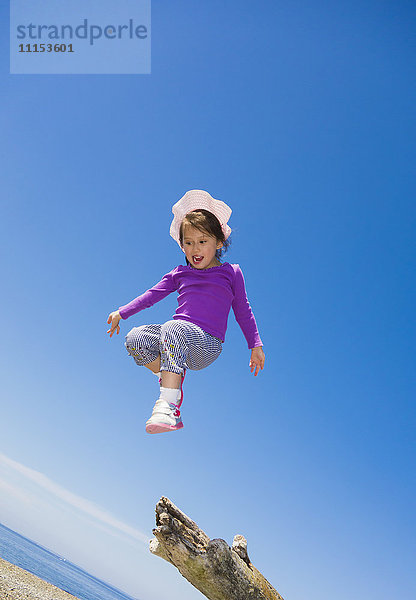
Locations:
(134, 339)
(131, 337)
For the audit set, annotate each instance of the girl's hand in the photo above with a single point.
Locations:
(257, 360)
(114, 319)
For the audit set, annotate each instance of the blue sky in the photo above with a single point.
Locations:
(299, 116)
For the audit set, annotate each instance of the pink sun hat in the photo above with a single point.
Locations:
(194, 200)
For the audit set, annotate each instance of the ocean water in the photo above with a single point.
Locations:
(55, 569)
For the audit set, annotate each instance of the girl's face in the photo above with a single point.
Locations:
(200, 248)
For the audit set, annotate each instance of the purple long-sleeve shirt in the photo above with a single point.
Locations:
(205, 297)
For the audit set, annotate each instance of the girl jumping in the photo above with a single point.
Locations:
(207, 289)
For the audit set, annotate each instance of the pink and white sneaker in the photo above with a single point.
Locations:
(166, 415)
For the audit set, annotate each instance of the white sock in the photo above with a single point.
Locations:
(169, 394)
(157, 374)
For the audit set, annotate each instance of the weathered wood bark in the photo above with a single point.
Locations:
(215, 569)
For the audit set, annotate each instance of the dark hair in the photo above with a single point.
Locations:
(208, 223)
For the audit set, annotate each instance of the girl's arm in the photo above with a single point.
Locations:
(166, 286)
(242, 310)
(159, 291)
(245, 318)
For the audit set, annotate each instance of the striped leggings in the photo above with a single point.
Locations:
(181, 345)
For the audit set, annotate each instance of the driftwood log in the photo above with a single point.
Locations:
(215, 569)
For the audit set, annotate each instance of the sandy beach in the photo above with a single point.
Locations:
(17, 584)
